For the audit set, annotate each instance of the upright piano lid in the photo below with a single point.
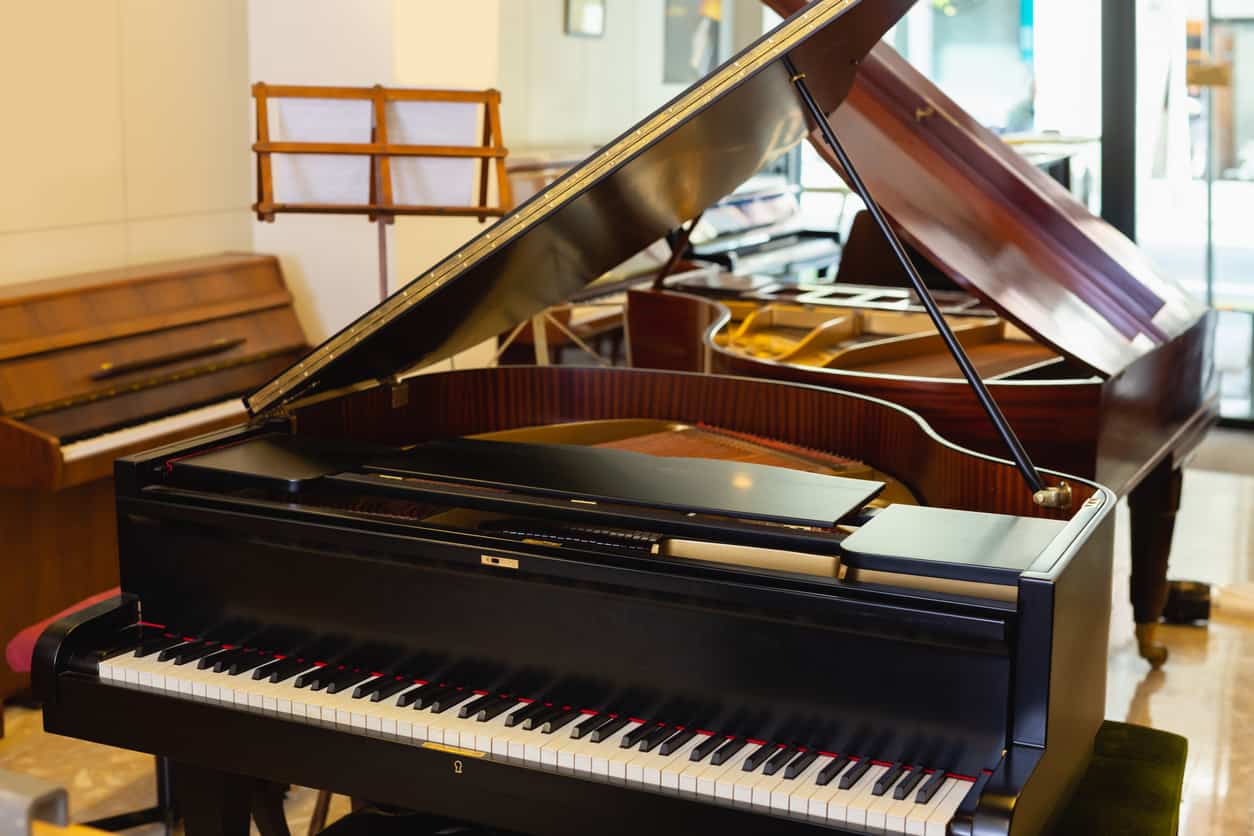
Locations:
(657, 175)
(996, 224)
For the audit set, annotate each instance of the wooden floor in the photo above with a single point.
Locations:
(1206, 691)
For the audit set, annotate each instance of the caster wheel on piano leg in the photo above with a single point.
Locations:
(1152, 652)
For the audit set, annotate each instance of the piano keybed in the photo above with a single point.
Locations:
(846, 790)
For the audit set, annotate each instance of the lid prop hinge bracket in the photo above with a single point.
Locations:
(1049, 497)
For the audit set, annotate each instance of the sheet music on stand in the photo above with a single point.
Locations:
(379, 152)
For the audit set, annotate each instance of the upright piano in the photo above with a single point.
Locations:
(1105, 367)
(101, 365)
(561, 600)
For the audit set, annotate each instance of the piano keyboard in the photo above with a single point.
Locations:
(844, 791)
(138, 434)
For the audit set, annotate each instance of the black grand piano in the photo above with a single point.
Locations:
(566, 600)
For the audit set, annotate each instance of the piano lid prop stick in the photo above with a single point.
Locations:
(678, 245)
(1050, 497)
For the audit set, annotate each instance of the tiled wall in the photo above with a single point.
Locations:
(125, 133)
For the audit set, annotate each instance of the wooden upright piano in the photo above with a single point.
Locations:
(100, 365)
(1105, 368)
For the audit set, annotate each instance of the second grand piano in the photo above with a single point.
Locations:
(561, 600)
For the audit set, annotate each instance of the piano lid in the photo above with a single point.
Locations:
(996, 224)
(656, 176)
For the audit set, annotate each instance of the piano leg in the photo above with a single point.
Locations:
(268, 809)
(1152, 506)
(212, 803)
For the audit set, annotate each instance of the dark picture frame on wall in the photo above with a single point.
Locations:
(585, 18)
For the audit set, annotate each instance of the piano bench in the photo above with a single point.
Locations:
(21, 648)
(1133, 785)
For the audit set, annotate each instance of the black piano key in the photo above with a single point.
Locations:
(312, 677)
(655, 738)
(607, 730)
(208, 659)
(588, 726)
(244, 664)
(779, 760)
(427, 695)
(855, 772)
(908, 784)
(525, 713)
(411, 697)
(222, 661)
(156, 644)
(705, 747)
(886, 781)
(187, 653)
(759, 757)
(674, 744)
(473, 707)
(727, 750)
(390, 689)
(346, 679)
(448, 698)
(637, 734)
(206, 662)
(561, 721)
(537, 720)
(800, 764)
(929, 788)
(495, 709)
(365, 689)
(827, 773)
(281, 670)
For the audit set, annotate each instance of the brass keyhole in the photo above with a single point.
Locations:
(457, 767)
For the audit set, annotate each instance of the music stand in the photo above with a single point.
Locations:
(437, 170)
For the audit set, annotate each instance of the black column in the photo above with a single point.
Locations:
(1119, 115)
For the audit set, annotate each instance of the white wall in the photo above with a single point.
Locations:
(568, 91)
(331, 261)
(126, 133)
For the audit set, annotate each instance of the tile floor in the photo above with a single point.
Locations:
(1205, 692)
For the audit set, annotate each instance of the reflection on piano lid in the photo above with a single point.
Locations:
(758, 229)
(848, 686)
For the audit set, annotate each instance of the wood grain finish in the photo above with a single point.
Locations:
(994, 223)
(1112, 431)
(884, 436)
(59, 548)
(85, 355)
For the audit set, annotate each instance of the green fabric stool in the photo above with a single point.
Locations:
(1132, 787)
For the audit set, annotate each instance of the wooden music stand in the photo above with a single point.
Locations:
(380, 206)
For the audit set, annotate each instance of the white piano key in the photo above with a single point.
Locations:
(938, 820)
(671, 777)
(726, 780)
(784, 793)
(608, 748)
(799, 798)
(855, 814)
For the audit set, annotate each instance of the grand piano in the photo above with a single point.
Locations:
(559, 600)
(1105, 367)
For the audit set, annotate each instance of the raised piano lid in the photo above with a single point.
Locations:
(657, 175)
(999, 226)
